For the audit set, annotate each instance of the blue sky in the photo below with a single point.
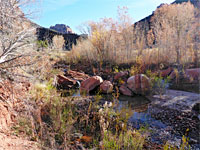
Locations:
(76, 12)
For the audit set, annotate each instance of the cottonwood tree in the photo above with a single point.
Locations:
(171, 26)
(112, 40)
(58, 42)
(139, 39)
(15, 34)
(126, 31)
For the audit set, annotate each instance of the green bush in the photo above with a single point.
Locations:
(42, 44)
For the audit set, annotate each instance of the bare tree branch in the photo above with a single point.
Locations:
(16, 32)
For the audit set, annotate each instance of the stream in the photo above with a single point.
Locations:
(158, 132)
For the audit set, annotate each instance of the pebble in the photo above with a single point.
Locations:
(180, 122)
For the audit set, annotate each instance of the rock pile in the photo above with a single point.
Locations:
(134, 85)
(138, 84)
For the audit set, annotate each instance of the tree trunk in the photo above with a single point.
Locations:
(178, 56)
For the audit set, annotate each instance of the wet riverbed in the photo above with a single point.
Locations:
(158, 131)
(140, 107)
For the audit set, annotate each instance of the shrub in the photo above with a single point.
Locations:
(124, 141)
(42, 44)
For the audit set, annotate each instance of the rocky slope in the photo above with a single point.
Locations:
(11, 104)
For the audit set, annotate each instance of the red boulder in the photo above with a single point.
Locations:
(90, 84)
(65, 82)
(76, 75)
(139, 84)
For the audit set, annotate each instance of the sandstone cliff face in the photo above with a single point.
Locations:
(145, 26)
(196, 3)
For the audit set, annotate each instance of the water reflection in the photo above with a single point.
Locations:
(142, 118)
(139, 106)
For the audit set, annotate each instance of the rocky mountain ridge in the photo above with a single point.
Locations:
(196, 3)
(62, 28)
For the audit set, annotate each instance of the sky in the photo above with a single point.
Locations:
(76, 12)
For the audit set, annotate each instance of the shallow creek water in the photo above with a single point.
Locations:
(158, 132)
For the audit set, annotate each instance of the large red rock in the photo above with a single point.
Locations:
(125, 90)
(69, 80)
(139, 84)
(90, 84)
(65, 82)
(106, 87)
(76, 75)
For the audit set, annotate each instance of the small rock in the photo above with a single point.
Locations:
(5, 116)
(106, 87)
